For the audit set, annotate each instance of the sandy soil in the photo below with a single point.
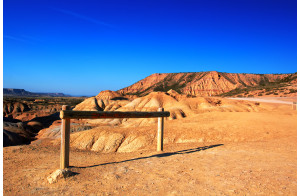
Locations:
(281, 100)
(242, 153)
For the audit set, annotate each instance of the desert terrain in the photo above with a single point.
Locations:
(167, 98)
(24, 117)
(240, 139)
(212, 146)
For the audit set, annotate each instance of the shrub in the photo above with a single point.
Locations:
(190, 96)
(218, 102)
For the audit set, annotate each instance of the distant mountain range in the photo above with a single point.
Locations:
(24, 93)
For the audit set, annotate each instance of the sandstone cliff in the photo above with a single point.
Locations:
(198, 83)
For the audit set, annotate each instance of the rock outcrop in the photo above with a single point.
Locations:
(198, 83)
(104, 101)
(16, 133)
(128, 135)
(179, 107)
(10, 108)
(59, 174)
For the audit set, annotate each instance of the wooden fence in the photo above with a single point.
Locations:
(66, 115)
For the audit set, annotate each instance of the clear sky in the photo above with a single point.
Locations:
(83, 47)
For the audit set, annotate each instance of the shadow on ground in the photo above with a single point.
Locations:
(46, 120)
(192, 150)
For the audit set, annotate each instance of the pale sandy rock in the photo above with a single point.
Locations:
(108, 142)
(133, 143)
(113, 142)
(155, 100)
(89, 104)
(104, 101)
(59, 174)
(108, 94)
(179, 108)
(84, 140)
(99, 145)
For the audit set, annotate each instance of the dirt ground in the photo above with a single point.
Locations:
(282, 100)
(238, 153)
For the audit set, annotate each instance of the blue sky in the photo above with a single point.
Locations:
(83, 47)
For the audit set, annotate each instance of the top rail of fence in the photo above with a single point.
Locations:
(69, 114)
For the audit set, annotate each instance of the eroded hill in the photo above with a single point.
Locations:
(199, 83)
(127, 135)
(24, 117)
(286, 87)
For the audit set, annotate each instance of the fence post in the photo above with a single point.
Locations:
(65, 141)
(160, 132)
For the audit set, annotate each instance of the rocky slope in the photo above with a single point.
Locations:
(286, 87)
(128, 135)
(198, 83)
(104, 101)
(100, 134)
(24, 117)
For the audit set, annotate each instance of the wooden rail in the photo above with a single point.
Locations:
(66, 114)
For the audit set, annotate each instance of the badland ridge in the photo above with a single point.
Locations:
(204, 83)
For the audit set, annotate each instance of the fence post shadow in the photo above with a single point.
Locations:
(160, 155)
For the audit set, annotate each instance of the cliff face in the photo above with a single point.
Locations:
(199, 83)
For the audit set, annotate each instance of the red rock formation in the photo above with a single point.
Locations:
(198, 83)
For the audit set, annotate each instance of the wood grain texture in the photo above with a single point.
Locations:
(64, 114)
(65, 141)
(160, 132)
